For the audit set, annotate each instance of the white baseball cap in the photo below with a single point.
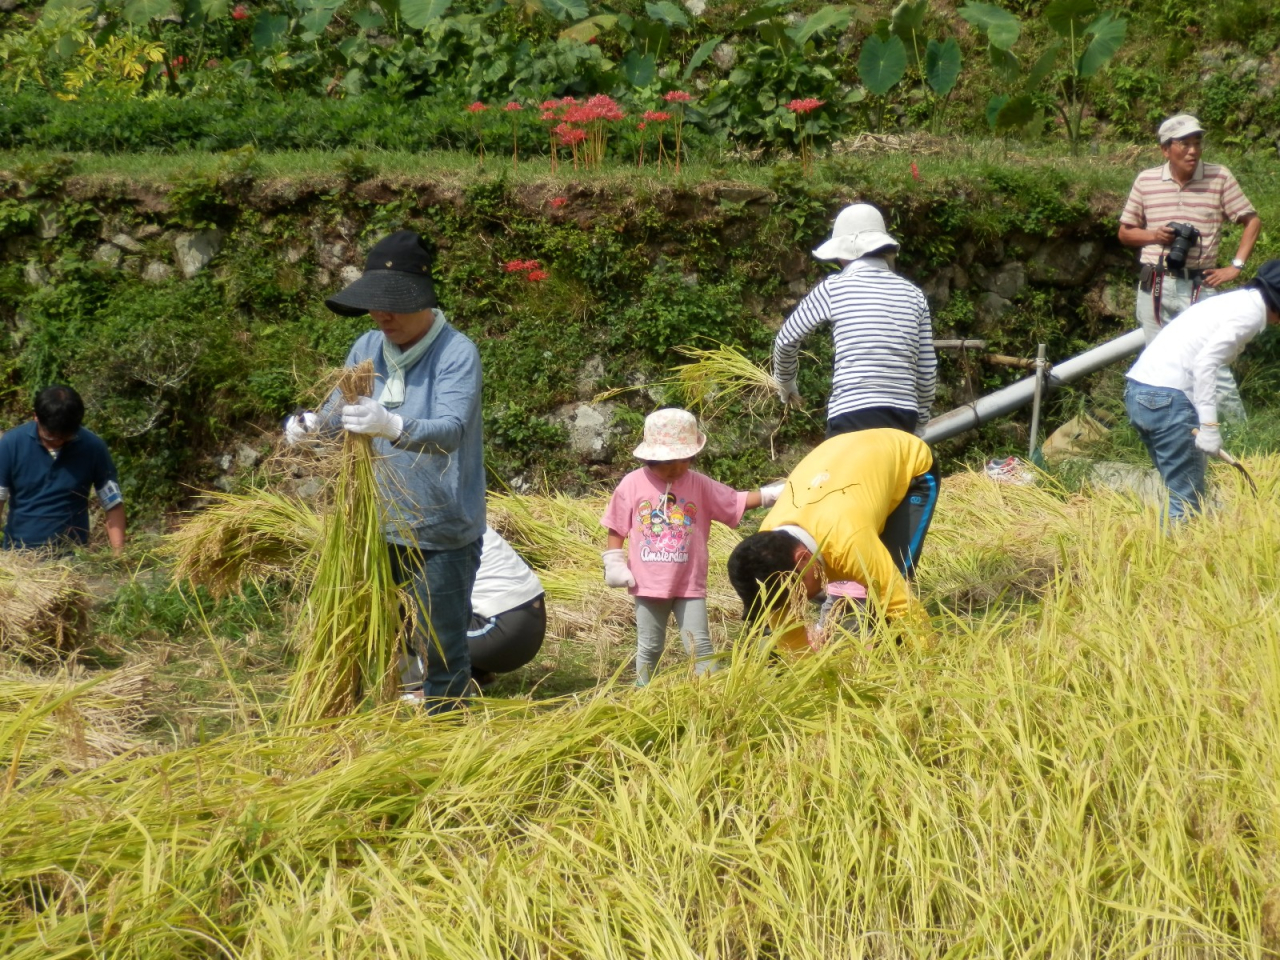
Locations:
(1175, 128)
(858, 231)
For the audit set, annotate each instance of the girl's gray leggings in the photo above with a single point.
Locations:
(652, 615)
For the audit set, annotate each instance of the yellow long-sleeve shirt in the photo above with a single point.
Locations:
(842, 493)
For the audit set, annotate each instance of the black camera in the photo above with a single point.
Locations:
(1184, 235)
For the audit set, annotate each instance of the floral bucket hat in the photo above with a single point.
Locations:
(670, 434)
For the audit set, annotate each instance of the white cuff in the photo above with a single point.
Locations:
(4, 494)
(1207, 412)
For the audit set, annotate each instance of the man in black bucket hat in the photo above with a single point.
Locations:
(426, 429)
(1171, 396)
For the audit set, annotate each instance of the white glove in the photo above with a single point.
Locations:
(298, 426)
(1209, 439)
(770, 493)
(369, 417)
(789, 393)
(616, 571)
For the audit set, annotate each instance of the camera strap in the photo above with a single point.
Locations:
(1157, 289)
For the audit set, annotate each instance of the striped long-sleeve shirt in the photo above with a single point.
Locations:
(883, 340)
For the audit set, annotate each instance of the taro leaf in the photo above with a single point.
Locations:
(651, 37)
(765, 11)
(317, 14)
(700, 56)
(881, 64)
(668, 13)
(994, 106)
(141, 12)
(585, 30)
(1018, 112)
(824, 18)
(367, 19)
(1044, 65)
(907, 22)
(560, 9)
(1069, 18)
(269, 30)
(908, 16)
(1005, 64)
(1001, 27)
(639, 69)
(196, 12)
(420, 14)
(942, 66)
(1108, 34)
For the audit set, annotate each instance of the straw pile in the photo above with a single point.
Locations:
(59, 725)
(43, 605)
(237, 538)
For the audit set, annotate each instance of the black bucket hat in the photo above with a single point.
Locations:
(1267, 282)
(397, 278)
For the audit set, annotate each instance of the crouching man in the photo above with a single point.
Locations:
(47, 468)
(1172, 393)
(857, 508)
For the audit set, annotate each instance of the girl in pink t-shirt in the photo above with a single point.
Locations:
(665, 510)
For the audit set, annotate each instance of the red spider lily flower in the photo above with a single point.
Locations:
(548, 105)
(477, 107)
(640, 125)
(558, 202)
(657, 116)
(179, 61)
(572, 136)
(806, 105)
(568, 101)
(537, 276)
(677, 96)
(514, 266)
(915, 171)
(238, 12)
(512, 107)
(550, 115)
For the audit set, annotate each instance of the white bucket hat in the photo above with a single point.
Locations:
(670, 434)
(858, 231)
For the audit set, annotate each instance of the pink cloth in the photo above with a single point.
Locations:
(667, 528)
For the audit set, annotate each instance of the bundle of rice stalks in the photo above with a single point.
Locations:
(348, 636)
(718, 377)
(43, 605)
(59, 725)
(254, 537)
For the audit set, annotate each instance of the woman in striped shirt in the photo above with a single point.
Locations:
(885, 367)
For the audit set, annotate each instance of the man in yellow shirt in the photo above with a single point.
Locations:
(856, 508)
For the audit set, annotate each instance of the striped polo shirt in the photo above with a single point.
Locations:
(1210, 197)
(883, 339)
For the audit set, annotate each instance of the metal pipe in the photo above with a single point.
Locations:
(1035, 403)
(1021, 393)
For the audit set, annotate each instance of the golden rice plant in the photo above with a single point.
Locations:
(1086, 772)
(43, 605)
(348, 634)
(234, 538)
(719, 376)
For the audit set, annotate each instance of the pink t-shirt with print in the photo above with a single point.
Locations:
(667, 527)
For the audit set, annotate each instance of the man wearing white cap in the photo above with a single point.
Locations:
(885, 367)
(1179, 266)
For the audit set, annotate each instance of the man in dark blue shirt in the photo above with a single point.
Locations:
(47, 467)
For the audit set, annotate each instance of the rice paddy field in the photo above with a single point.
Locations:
(1077, 757)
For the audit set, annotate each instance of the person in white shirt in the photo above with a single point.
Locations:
(1171, 396)
(508, 616)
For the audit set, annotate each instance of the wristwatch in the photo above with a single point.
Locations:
(1237, 263)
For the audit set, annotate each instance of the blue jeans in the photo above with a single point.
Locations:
(441, 582)
(1164, 419)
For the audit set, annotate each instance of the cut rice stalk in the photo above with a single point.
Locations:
(43, 605)
(349, 633)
